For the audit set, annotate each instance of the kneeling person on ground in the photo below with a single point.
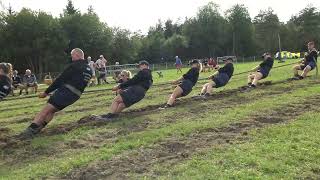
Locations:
(261, 71)
(219, 78)
(5, 81)
(67, 88)
(308, 63)
(131, 91)
(186, 83)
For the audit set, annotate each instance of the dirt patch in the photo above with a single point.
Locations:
(174, 150)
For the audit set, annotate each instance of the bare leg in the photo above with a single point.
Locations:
(177, 92)
(114, 106)
(45, 115)
(120, 108)
(306, 71)
(204, 88)
(250, 78)
(295, 69)
(210, 87)
(257, 77)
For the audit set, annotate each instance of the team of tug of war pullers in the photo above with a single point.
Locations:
(71, 83)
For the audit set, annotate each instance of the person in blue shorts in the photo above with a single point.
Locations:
(261, 71)
(185, 83)
(219, 78)
(307, 64)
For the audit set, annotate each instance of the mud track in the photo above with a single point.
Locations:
(7, 143)
(174, 150)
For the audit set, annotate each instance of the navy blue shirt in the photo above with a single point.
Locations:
(143, 78)
(267, 64)
(77, 74)
(192, 75)
(228, 69)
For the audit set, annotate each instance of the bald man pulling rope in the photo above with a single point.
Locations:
(67, 89)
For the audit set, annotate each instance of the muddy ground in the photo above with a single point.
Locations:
(169, 149)
(174, 150)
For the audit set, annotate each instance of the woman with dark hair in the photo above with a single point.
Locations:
(185, 83)
(5, 79)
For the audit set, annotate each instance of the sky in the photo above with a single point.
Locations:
(138, 15)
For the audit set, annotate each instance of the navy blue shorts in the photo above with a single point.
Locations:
(62, 98)
(132, 95)
(186, 85)
(221, 80)
(263, 72)
(312, 64)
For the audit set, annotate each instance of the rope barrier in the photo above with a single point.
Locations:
(155, 85)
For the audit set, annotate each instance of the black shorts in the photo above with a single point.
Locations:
(186, 86)
(62, 98)
(221, 80)
(132, 95)
(264, 73)
(312, 64)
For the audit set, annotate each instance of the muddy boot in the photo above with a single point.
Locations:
(32, 131)
(298, 77)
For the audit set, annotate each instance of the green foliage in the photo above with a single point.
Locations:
(42, 43)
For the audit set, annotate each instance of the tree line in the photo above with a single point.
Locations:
(41, 42)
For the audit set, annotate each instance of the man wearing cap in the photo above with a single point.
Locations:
(307, 64)
(67, 89)
(185, 83)
(261, 71)
(131, 91)
(219, 78)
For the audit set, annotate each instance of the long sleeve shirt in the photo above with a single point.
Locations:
(228, 69)
(143, 78)
(267, 64)
(77, 75)
(192, 75)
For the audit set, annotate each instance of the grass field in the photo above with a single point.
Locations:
(271, 132)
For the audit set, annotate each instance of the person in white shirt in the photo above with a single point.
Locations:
(93, 66)
(101, 64)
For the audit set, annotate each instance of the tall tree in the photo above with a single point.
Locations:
(70, 9)
(267, 29)
(241, 30)
(308, 23)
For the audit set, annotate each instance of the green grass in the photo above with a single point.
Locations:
(54, 155)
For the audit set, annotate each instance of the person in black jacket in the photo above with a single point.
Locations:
(261, 71)
(307, 64)
(185, 83)
(67, 89)
(17, 82)
(219, 78)
(5, 81)
(131, 91)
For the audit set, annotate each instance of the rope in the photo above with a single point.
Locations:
(155, 85)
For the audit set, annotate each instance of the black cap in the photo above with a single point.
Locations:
(228, 59)
(194, 61)
(143, 62)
